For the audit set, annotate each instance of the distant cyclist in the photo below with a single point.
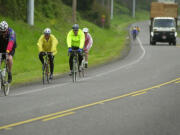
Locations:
(134, 32)
(75, 41)
(48, 43)
(7, 45)
(87, 45)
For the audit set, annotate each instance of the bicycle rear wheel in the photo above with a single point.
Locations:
(82, 71)
(74, 76)
(82, 67)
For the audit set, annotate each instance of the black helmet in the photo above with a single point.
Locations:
(75, 27)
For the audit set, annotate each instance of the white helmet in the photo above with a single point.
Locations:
(85, 30)
(47, 31)
(3, 26)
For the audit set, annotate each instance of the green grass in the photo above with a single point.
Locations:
(108, 44)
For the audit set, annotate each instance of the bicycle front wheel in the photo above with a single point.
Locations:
(5, 85)
(83, 67)
(74, 73)
(6, 88)
(1, 82)
(45, 74)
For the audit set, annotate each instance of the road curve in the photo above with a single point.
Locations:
(137, 95)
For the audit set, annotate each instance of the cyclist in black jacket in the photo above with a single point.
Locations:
(7, 45)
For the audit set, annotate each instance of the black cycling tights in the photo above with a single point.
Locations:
(51, 59)
(80, 58)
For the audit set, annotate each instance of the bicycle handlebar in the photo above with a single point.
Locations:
(73, 51)
(47, 53)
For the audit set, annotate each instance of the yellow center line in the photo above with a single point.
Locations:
(85, 106)
(177, 82)
(58, 116)
(139, 94)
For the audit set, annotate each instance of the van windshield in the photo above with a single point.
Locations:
(164, 23)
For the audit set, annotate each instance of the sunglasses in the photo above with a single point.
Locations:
(47, 34)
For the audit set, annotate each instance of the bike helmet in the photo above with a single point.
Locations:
(85, 30)
(47, 31)
(75, 27)
(3, 26)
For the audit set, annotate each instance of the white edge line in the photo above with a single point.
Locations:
(40, 89)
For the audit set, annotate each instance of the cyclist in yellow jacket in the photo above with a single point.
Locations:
(47, 43)
(75, 41)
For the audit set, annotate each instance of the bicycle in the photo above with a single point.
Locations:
(46, 68)
(4, 85)
(76, 67)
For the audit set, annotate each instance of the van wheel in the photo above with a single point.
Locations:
(153, 43)
(174, 43)
(150, 42)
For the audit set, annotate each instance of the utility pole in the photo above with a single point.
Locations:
(74, 7)
(30, 12)
(112, 6)
(102, 1)
(134, 8)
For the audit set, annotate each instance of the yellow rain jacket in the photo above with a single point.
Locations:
(76, 41)
(48, 46)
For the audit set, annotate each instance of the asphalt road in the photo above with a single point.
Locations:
(138, 95)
